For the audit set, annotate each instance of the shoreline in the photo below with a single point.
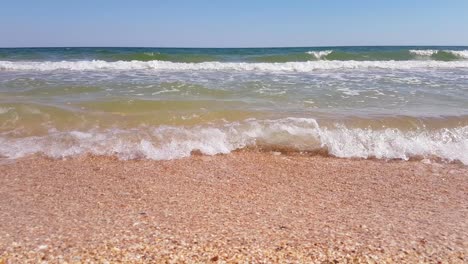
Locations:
(245, 206)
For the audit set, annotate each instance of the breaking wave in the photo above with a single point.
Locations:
(340, 55)
(320, 54)
(430, 52)
(299, 134)
(95, 65)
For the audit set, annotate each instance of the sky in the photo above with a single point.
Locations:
(232, 23)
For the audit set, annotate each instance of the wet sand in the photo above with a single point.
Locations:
(243, 207)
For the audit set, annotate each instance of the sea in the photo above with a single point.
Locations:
(386, 103)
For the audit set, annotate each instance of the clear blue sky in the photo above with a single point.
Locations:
(232, 23)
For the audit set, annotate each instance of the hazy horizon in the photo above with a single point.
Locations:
(258, 47)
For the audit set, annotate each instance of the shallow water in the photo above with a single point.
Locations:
(384, 102)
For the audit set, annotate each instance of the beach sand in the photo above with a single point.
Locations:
(245, 207)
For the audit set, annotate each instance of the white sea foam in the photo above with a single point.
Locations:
(4, 110)
(320, 54)
(302, 134)
(349, 92)
(429, 52)
(425, 53)
(97, 65)
(460, 53)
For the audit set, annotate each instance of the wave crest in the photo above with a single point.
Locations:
(98, 65)
(430, 52)
(320, 54)
(300, 134)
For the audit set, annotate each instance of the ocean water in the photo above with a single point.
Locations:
(166, 103)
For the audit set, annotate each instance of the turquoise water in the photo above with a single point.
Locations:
(447, 53)
(164, 103)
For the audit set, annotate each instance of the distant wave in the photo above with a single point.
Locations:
(98, 65)
(150, 56)
(320, 54)
(441, 55)
(291, 57)
(431, 52)
(300, 134)
(270, 55)
(427, 52)
(460, 53)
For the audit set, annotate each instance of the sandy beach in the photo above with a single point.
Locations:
(247, 206)
(234, 132)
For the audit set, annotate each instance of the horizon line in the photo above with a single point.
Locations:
(230, 47)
